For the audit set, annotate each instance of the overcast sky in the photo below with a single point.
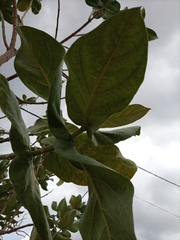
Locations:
(157, 148)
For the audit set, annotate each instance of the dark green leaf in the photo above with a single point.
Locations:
(34, 234)
(27, 189)
(128, 115)
(108, 214)
(54, 206)
(115, 136)
(36, 6)
(9, 105)
(55, 119)
(106, 68)
(94, 3)
(74, 227)
(111, 9)
(62, 208)
(8, 13)
(5, 4)
(143, 12)
(67, 220)
(38, 60)
(151, 34)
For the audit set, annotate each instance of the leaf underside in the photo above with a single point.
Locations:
(106, 68)
(38, 60)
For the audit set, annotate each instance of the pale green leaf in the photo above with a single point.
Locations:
(128, 115)
(40, 125)
(106, 68)
(38, 60)
(115, 136)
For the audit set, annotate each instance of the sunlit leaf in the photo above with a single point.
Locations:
(128, 115)
(9, 105)
(38, 60)
(108, 155)
(62, 168)
(106, 68)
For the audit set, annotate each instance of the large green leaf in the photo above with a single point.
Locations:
(38, 60)
(106, 68)
(9, 105)
(27, 189)
(108, 214)
(128, 115)
(115, 136)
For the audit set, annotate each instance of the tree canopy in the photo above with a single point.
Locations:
(105, 69)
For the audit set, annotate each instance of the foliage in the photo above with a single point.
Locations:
(106, 67)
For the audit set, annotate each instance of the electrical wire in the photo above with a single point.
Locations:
(156, 206)
(164, 179)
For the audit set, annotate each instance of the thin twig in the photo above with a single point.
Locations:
(15, 21)
(3, 30)
(40, 151)
(11, 52)
(16, 229)
(27, 102)
(86, 23)
(12, 77)
(57, 21)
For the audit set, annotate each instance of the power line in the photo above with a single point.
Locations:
(157, 206)
(164, 179)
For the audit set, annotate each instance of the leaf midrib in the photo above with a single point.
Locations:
(89, 104)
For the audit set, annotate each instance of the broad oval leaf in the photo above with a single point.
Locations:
(108, 214)
(27, 189)
(106, 68)
(38, 60)
(128, 115)
(18, 134)
(24, 5)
